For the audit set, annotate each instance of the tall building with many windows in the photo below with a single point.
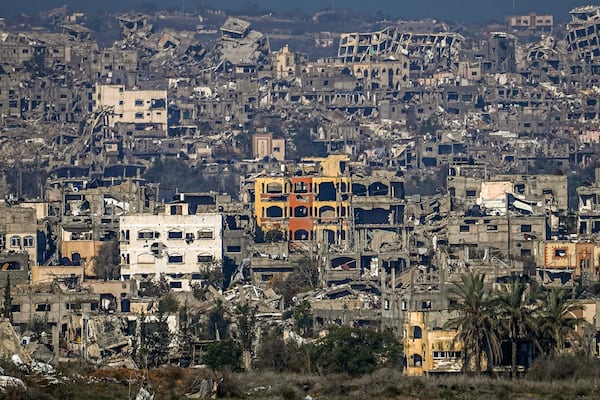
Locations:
(132, 106)
(176, 244)
(311, 204)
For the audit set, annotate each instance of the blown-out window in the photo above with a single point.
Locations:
(205, 234)
(203, 258)
(147, 234)
(175, 259)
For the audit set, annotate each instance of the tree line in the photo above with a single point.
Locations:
(517, 312)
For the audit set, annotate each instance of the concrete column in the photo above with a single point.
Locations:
(55, 341)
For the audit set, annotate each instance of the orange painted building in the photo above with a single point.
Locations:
(314, 205)
(575, 256)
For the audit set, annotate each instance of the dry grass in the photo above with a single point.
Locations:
(391, 384)
(174, 383)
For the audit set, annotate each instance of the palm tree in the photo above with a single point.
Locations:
(558, 318)
(516, 308)
(475, 321)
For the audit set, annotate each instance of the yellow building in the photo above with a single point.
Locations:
(429, 348)
(313, 203)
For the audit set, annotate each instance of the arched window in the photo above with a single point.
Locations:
(417, 360)
(417, 332)
(29, 241)
(274, 212)
(301, 211)
(327, 212)
(205, 258)
(359, 189)
(301, 234)
(378, 189)
(328, 236)
(175, 259)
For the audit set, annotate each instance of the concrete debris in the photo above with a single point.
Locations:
(10, 345)
(440, 153)
(208, 390)
(10, 382)
(144, 394)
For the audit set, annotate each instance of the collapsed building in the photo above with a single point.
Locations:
(582, 32)
(425, 51)
(240, 50)
(588, 223)
(395, 104)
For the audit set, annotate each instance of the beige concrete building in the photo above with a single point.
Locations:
(132, 106)
(532, 22)
(264, 145)
(18, 231)
(175, 244)
(515, 235)
(287, 64)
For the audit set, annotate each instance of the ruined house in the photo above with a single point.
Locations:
(178, 244)
(241, 50)
(18, 243)
(429, 348)
(588, 224)
(147, 107)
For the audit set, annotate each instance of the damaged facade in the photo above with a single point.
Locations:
(177, 244)
(408, 158)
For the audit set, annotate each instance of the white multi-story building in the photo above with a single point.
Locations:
(175, 244)
(132, 106)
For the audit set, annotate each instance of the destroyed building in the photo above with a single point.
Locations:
(148, 107)
(356, 221)
(395, 110)
(582, 32)
(425, 51)
(306, 206)
(179, 244)
(588, 224)
(240, 50)
(18, 243)
(429, 348)
(531, 22)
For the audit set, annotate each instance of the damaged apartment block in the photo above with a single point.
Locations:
(425, 51)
